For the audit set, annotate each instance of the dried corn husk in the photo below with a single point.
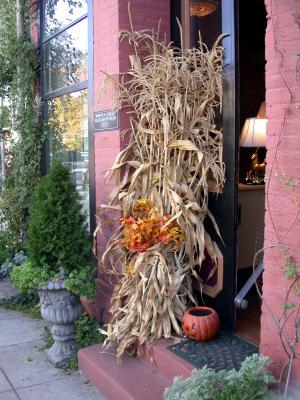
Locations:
(173, 158)
(147, 304)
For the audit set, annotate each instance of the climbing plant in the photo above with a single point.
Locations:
(286, 319)
(19, 72)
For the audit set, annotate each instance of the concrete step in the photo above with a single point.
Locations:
(128, 379)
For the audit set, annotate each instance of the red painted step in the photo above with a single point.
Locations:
(164, 361)
(130, 379)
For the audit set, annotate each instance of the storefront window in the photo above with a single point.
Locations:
(68, 123)
(60, 13)
(66, 57)
(206, 18)
(65, 94)
(196, 17)
(205, 24)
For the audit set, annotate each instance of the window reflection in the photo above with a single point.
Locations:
(206, 17)
(59, 13)
(68, 124)
(206, 22)
(66, 58)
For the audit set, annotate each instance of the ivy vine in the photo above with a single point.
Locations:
(19, 73)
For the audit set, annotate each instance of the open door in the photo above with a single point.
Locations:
(212, 18)
(225, 207)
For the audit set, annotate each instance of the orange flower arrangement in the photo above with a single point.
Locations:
(145, 228)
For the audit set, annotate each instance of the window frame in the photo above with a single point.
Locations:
(70, 88)
(185, 23)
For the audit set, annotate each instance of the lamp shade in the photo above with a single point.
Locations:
(201, 8)
(254, 132)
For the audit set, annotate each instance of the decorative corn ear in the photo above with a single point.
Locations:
(173, 159)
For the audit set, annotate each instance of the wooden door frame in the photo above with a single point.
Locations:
(185, 23)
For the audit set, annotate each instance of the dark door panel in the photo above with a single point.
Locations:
(224, 206)
(222, 20)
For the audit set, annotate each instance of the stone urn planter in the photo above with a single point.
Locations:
(62, 308)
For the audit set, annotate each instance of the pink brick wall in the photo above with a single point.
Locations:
(34, 25)
(110, 16)
(282, 221)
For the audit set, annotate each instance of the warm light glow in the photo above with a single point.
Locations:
(262, 110)
(254, 132)
(202, 8)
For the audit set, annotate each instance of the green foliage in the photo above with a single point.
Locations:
(87, 334)
(71, 365)
(10, 262)
(82, 282)
(87, 331)
(26, 303)
(19, 71)
(47, 339)
(28, 277)
(57, 240)
(291, 273)
(250, 382)
(7, 44)
(291, 268)
(288, 306)
(57, 228)
(5, 250)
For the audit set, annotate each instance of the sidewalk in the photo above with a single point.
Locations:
(25, 373)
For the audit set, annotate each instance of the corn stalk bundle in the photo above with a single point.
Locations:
(147, 304)
(173, 158)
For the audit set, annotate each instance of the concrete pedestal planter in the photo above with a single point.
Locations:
(62, 308)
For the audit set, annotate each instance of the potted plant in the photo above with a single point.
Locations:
(59, 264)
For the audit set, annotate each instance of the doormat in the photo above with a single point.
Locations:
(225, 352)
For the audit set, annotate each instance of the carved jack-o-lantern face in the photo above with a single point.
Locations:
(200, 323)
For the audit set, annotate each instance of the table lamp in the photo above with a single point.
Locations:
(254, 135)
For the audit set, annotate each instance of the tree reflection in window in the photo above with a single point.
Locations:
(66, 58)
(68, 125)
(65, 52)
(60, 13)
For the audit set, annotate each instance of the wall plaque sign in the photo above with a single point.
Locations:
(106, 120)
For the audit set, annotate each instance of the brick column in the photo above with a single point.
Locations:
(282, 222)
(110, 16)
(34, 21)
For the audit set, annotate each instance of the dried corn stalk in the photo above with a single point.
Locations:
(173, 158)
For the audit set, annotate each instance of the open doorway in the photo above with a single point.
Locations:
(239, 211)
(251, 38)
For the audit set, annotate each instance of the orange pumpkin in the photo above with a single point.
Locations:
(200, 323)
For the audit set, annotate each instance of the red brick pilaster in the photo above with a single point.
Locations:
(282, 220)
(110, 16)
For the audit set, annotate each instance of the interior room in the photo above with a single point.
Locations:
(250, 127)
(252, 25)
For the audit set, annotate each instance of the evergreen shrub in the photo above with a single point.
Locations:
(58, 244)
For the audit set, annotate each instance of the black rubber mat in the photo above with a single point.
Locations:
(225, 352)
